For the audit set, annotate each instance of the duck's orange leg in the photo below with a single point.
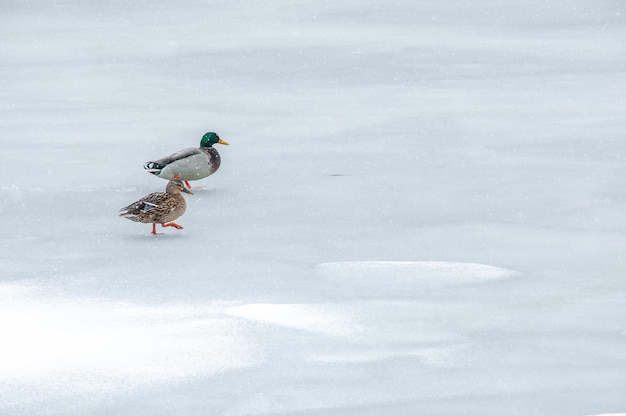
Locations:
(186, 183)
(172, 224)
(154, 228)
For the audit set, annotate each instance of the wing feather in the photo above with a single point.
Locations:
(181, 154)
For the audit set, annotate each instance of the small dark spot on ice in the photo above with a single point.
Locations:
(338, 174)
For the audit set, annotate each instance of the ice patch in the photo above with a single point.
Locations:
(297, 316)
(438, 357)
(610, 414)
(407, 277)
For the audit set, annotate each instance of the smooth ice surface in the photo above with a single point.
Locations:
(421, 210)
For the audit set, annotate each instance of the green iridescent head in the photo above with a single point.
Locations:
(210, 138)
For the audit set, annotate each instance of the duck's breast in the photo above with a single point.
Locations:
(192, 167)
(176, 206)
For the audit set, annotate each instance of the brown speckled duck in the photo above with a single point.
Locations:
(159, 207)
(189, 164)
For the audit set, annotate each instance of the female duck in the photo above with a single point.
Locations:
(159, 207)
(189, 164)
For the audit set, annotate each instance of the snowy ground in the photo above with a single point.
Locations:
(421, 211)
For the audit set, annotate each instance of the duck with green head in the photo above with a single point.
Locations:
(189, 164)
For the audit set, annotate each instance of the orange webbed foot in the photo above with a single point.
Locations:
(172, 224)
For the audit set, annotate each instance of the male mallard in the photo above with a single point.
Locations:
(159, 207)
(189, 164)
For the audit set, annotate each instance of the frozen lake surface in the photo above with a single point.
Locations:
(421, 210)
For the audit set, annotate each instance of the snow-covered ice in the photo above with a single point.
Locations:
(421, 210)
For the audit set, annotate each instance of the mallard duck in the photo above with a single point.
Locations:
(159, 207)
(189, 164)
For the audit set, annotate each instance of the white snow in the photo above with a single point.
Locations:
(49, 336)
(421, 210)
(406, 278)
(305, 317)
(610, 414)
